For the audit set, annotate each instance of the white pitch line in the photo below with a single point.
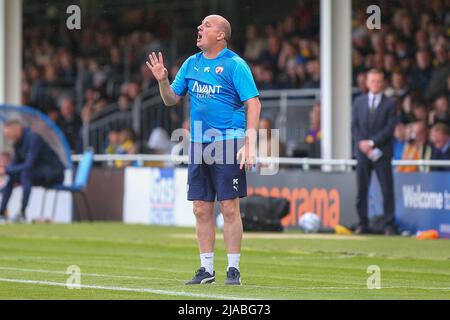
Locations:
(223, 297)
(123, 277)
(138, 290)
(87, 274)
(248, 285)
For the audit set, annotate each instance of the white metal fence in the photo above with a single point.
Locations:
(304, 163)
(287, 109)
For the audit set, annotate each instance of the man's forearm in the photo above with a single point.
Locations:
(169, 97)
(253, 114)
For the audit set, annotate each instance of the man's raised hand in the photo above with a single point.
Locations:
(156, 66)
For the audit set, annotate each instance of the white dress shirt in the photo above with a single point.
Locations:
(377, 98)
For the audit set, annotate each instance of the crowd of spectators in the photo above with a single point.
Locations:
(104, 61)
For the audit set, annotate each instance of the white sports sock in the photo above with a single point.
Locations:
(207, 261)
(233, 260)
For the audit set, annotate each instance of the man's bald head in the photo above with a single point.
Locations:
(224, 25)
(213, 30)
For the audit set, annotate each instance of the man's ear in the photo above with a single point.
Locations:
(221, 36)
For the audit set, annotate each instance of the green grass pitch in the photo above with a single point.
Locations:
(147, 262)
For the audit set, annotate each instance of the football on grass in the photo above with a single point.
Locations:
(309, 222)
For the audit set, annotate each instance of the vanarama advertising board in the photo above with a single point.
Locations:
(158, 196)
(329, 195)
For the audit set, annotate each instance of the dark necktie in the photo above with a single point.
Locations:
(373, 106)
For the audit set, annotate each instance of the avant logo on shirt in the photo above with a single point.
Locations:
(205, 90)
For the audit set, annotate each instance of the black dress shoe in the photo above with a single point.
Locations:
(361, 230)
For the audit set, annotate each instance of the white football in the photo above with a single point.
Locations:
(219, 221)
(309, 222)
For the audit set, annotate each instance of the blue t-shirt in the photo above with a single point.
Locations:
(217, 89)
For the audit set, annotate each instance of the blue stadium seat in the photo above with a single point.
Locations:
(78, 186)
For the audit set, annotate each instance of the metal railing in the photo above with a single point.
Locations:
(287, 109)
(305, 163)
(145, 113)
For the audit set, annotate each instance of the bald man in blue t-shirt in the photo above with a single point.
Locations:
(223, 142)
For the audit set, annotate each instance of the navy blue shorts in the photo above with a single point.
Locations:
(214, 172)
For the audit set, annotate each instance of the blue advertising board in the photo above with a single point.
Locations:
(162, 197)
(423, 201)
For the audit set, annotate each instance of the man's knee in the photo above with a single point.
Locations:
(362, 193)
(230, 209)
(203, 211)
(25, 177)
(7, 188)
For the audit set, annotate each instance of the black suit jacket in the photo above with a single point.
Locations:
(31, 152)
(377, 126)
(439, 155)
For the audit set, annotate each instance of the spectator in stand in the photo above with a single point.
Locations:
(290, 65)
(440, 112)
(148, 80)
(267, 147)
(389, 42)
(133, 90)
(67, 72)
(270, 55)
(421, 73)
(254, 44)
(361, 80)
(264, 77)
(400, 139)
(313, 135)
(124, 103)
(100, 105)
(440, 138)
(412, 44)
(97, 75)
(399, 88)
(159, 141)
(116, 63)
(405, 113)
(441, 72)
(390, 64)
(54, 114)
(265, 142)
(313, 75)
(90, 97)
(159, 144)
(70, 123)
(358, 65)
(113, 142)
(420, 112)
(417, 148)
(406, 65)
(38, 87)
(127, 145)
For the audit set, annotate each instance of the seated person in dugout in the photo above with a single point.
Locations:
(34, 164)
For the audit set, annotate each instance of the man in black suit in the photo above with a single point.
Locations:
(34, 164)
(373, 124)
(440, 137)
